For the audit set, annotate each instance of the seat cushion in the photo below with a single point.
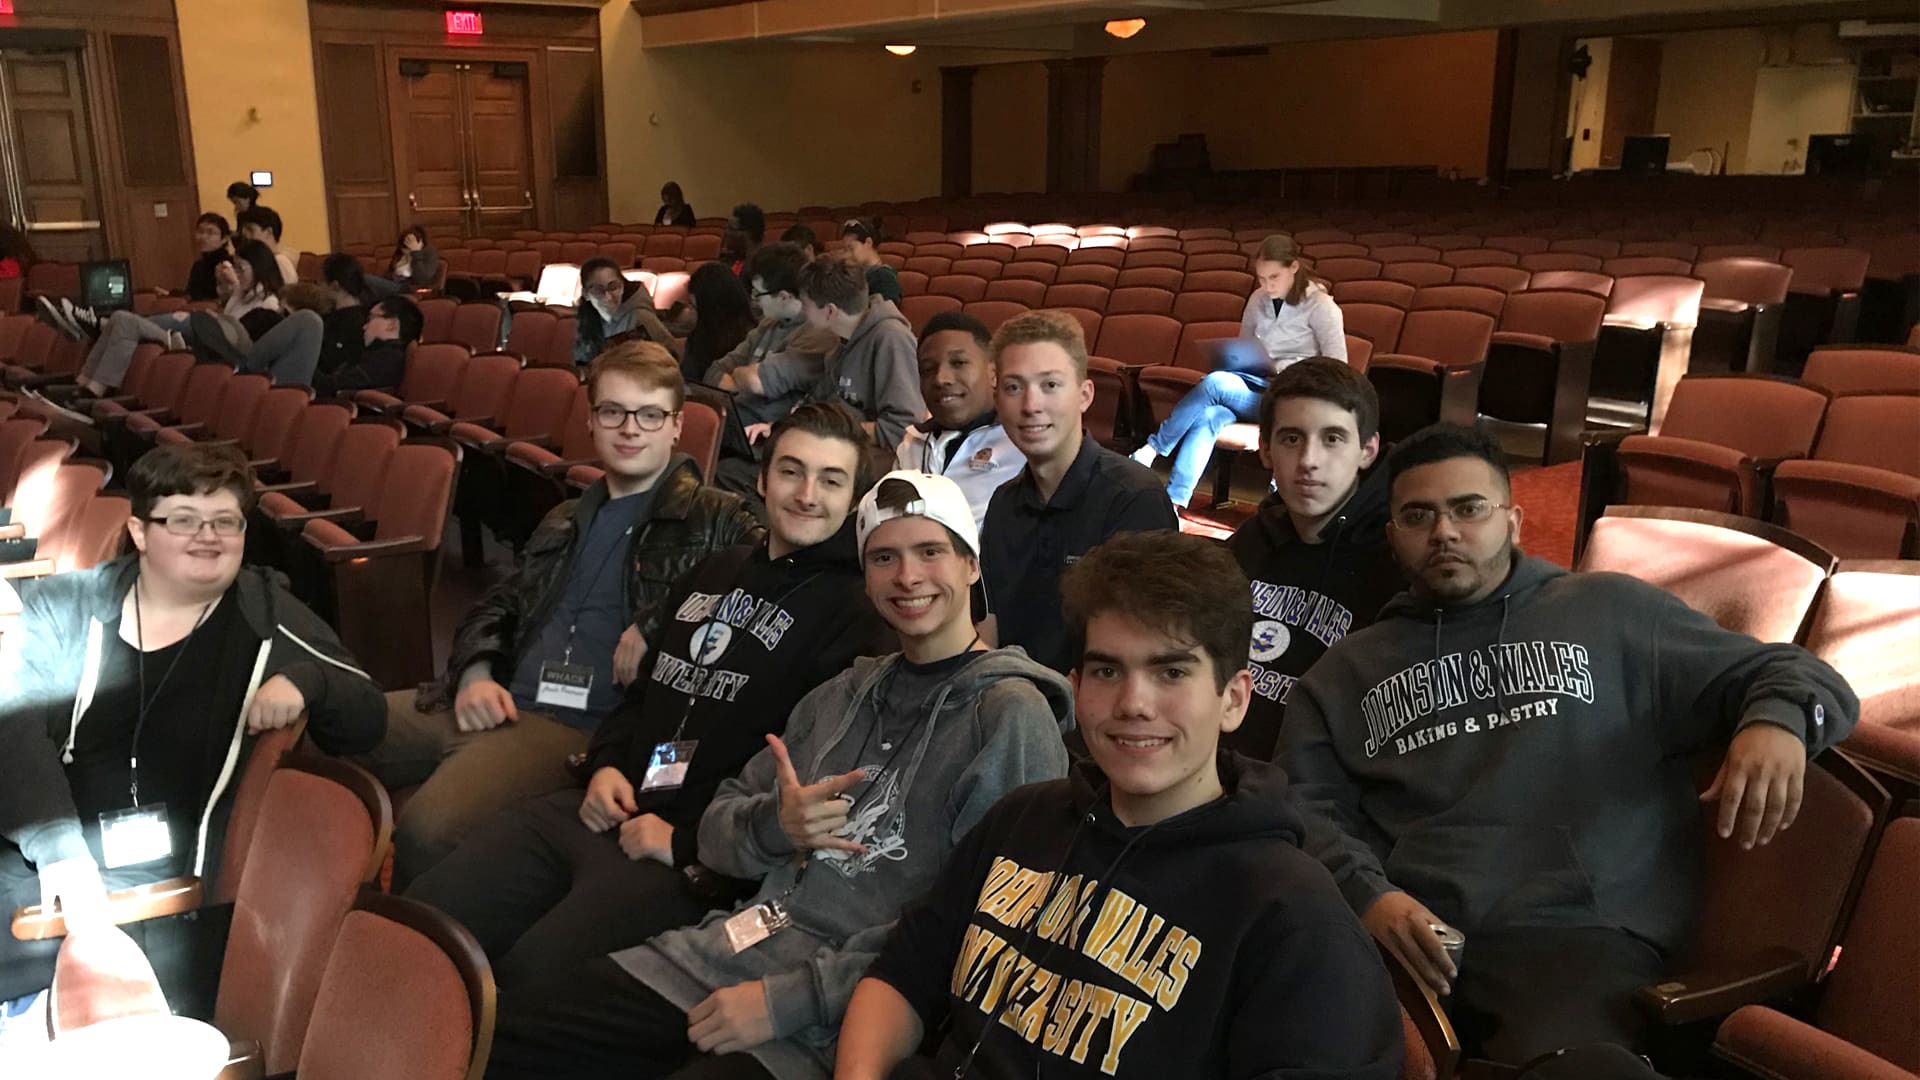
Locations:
(1772, 1044)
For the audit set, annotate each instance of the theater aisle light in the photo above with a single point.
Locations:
(902, 50)
(1125, 28)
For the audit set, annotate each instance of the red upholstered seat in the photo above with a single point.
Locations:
(1865, 625)
(1720, 435)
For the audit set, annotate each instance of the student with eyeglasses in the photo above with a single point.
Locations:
(1510, 752)
(612, 309)
(542, 658)
(132, 696)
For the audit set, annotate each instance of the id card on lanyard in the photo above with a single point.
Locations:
(563, 683)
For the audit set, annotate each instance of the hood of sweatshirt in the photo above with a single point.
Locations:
(879, 313)
(1253, 808)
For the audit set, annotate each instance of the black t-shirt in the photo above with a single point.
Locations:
(342, 336)
(186, 709)
(1026, 544)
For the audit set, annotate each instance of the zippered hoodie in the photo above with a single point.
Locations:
(877, 371)
(768, 631)
(1530, 760)
(48, 679)
(1206, 945)
(1306, 597)
(991, 726)
(791, 356)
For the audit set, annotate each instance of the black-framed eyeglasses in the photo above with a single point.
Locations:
(613, 417)
(604, 289)
(1422, 518)
(185, 523)
(761, 294)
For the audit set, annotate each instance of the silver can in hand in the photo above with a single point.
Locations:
(1451, 940)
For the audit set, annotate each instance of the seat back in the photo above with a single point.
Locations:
(1518, 245)
(1880, 430)
(486, 384)
(436, 316)
(1509, 279)
(1418, 274)
(12, 329)
(1560, 260)
(1584, 280)
(316, 435)
(1465, 297)
(1088, 318)
(95, 535)
(417, 493)
(1745, 281)
(433, 371)
(1138, 338)
(1467, 258)
(407, 993)
(59, 519)
(1850, 369)
(1209, 307)
(1023, 291)
(1192, 351)
(477, 326)
(1236, 282)
(1447, 335)
(700, 427)
(359, 465)
(1138, 300)
(1378, 323)
(920, 309)
(1628, 265)
(1826, 269)
(964, 287)
(16, 435)
(1655, 299)
(1672, 249)
(1374, 291)
(541, 398)
(275, 421)
(1750, 577)
(32, 498)
(1088, 274)
(1865, 625)
(238, 406)
(1737, 250)
(1873, 998)
(1758, 415)
(1153, 277)
(200, 398)
(1560, 314)
(322, 832)
(1346, 269)
(994, 312)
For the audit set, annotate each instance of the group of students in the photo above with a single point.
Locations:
(979, 769)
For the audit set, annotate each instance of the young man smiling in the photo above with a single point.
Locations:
(963, 440)
(1073, 494)
(882, 770)
(1511, 750)
(1316, 552)
(1102, 894)
(592, 869)
(540, 659)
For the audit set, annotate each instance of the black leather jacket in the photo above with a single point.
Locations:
(689, 522)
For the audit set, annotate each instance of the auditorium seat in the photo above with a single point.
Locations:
(961, 287)
(1862, 369)
(307, 453)
(1627, 265)
(1026, 270)
(432, 373)
(199, 400)
(1864, 1025)
(1237, 282)
(912, 282)
(1433, 373)
(1111, 418)
(406, 993)
(1056, 255)
(1087, 274)
(1138, 339)
(1517, 245)
(1383, 239)
(1560, 260)
(1749, 576)
(1466, 297)
(1093, 297)
(437, 314)
(923, 307)
(1346, 269)
(1154, 243)
(1719, 442)
(530, 336)
(486, 383)
(1374, 291)
(349, 478)
(998, 250)
(1136, 300)
(994, 312)
(1152, 277)
(1334, 249)
(1858, 494)
(536, 470)
(985, 269)
(1088, 318)
(1668, 249)
(1823, 301)
(1418, 274)
(1646, 339)
(1584, 280)
(1023, 291)
(1865, 625)
(535, 412)
(1505, 278)
(1191, 307)
(1540, 366)
(1379, 323)
(1740, 311)
(1395, 253)
(1233, 260)
(1596, 247)
(1171, 260)
(933, 266)
(1307, 237)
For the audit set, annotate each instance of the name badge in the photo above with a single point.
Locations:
(667, 769)
(753, 925)
(564, 685)
(132, 837)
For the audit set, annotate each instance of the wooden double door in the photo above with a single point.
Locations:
(464, 145)
(49, 180)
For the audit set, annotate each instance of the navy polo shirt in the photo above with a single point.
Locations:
(1027, 544)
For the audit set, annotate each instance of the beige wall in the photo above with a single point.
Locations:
(1706, 92)
(1145, 100)
(780, 125)
(248, 68)
(1010, 128)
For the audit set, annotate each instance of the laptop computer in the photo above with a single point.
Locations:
(1244, 357)
(106, 285)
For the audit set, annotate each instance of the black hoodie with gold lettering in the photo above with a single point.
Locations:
(1059, 942)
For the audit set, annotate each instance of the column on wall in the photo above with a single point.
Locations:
(956, 131)
(1073, 124)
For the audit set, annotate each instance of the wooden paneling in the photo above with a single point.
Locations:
(500, 146)
(1073, 124)
(355, 144)
(55, 155)
(573, 93)
(144, 89)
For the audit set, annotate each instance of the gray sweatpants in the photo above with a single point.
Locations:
(290, 351)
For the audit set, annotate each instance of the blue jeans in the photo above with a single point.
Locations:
(1220, 399)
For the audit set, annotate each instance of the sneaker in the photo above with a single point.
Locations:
(53, 315)
(1146, 455)
(88, 319)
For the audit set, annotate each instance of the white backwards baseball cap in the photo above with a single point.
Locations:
(935, 497)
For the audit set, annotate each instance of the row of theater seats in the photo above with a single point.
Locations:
(1815, 919)
(1835, 457)
(322, 974)
(54, 498)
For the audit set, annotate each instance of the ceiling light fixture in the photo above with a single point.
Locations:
(1125, 28)
(902, 50)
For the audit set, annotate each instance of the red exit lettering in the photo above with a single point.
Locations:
(458, 22)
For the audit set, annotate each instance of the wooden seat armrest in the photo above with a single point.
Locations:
(174, 896)
(31, 568)
(370, 549)
(1767, 975)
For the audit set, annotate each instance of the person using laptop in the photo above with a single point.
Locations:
(1290, 316)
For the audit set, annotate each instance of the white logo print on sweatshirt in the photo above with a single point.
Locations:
(874, 826)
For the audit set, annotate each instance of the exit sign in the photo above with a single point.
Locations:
(463, 22)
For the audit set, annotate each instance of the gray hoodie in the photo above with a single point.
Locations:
(876, 370)
(1530, 760)
(993, 725)
(791, 356)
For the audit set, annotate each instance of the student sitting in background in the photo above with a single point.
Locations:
(746, 231)
(322, 336)
(210, 235)
(882, 770)
(803, 238)
(131, 696)
(539, 661)
(1316, 551)
(861, 240)
(603, 866)
(1292, 316)
(875, 369)
(1251, 965)
(1511, 751)
(243, 196)
(723, 316)
(612, 309)
(674, 209)
(414, 265)
(263, 224)
(963, 440)
(389, 328)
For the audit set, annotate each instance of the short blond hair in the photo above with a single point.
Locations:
(646, 363)
(1044, 328)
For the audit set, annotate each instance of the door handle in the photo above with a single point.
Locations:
(526, 205)
(62, 226)
(414, 202)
